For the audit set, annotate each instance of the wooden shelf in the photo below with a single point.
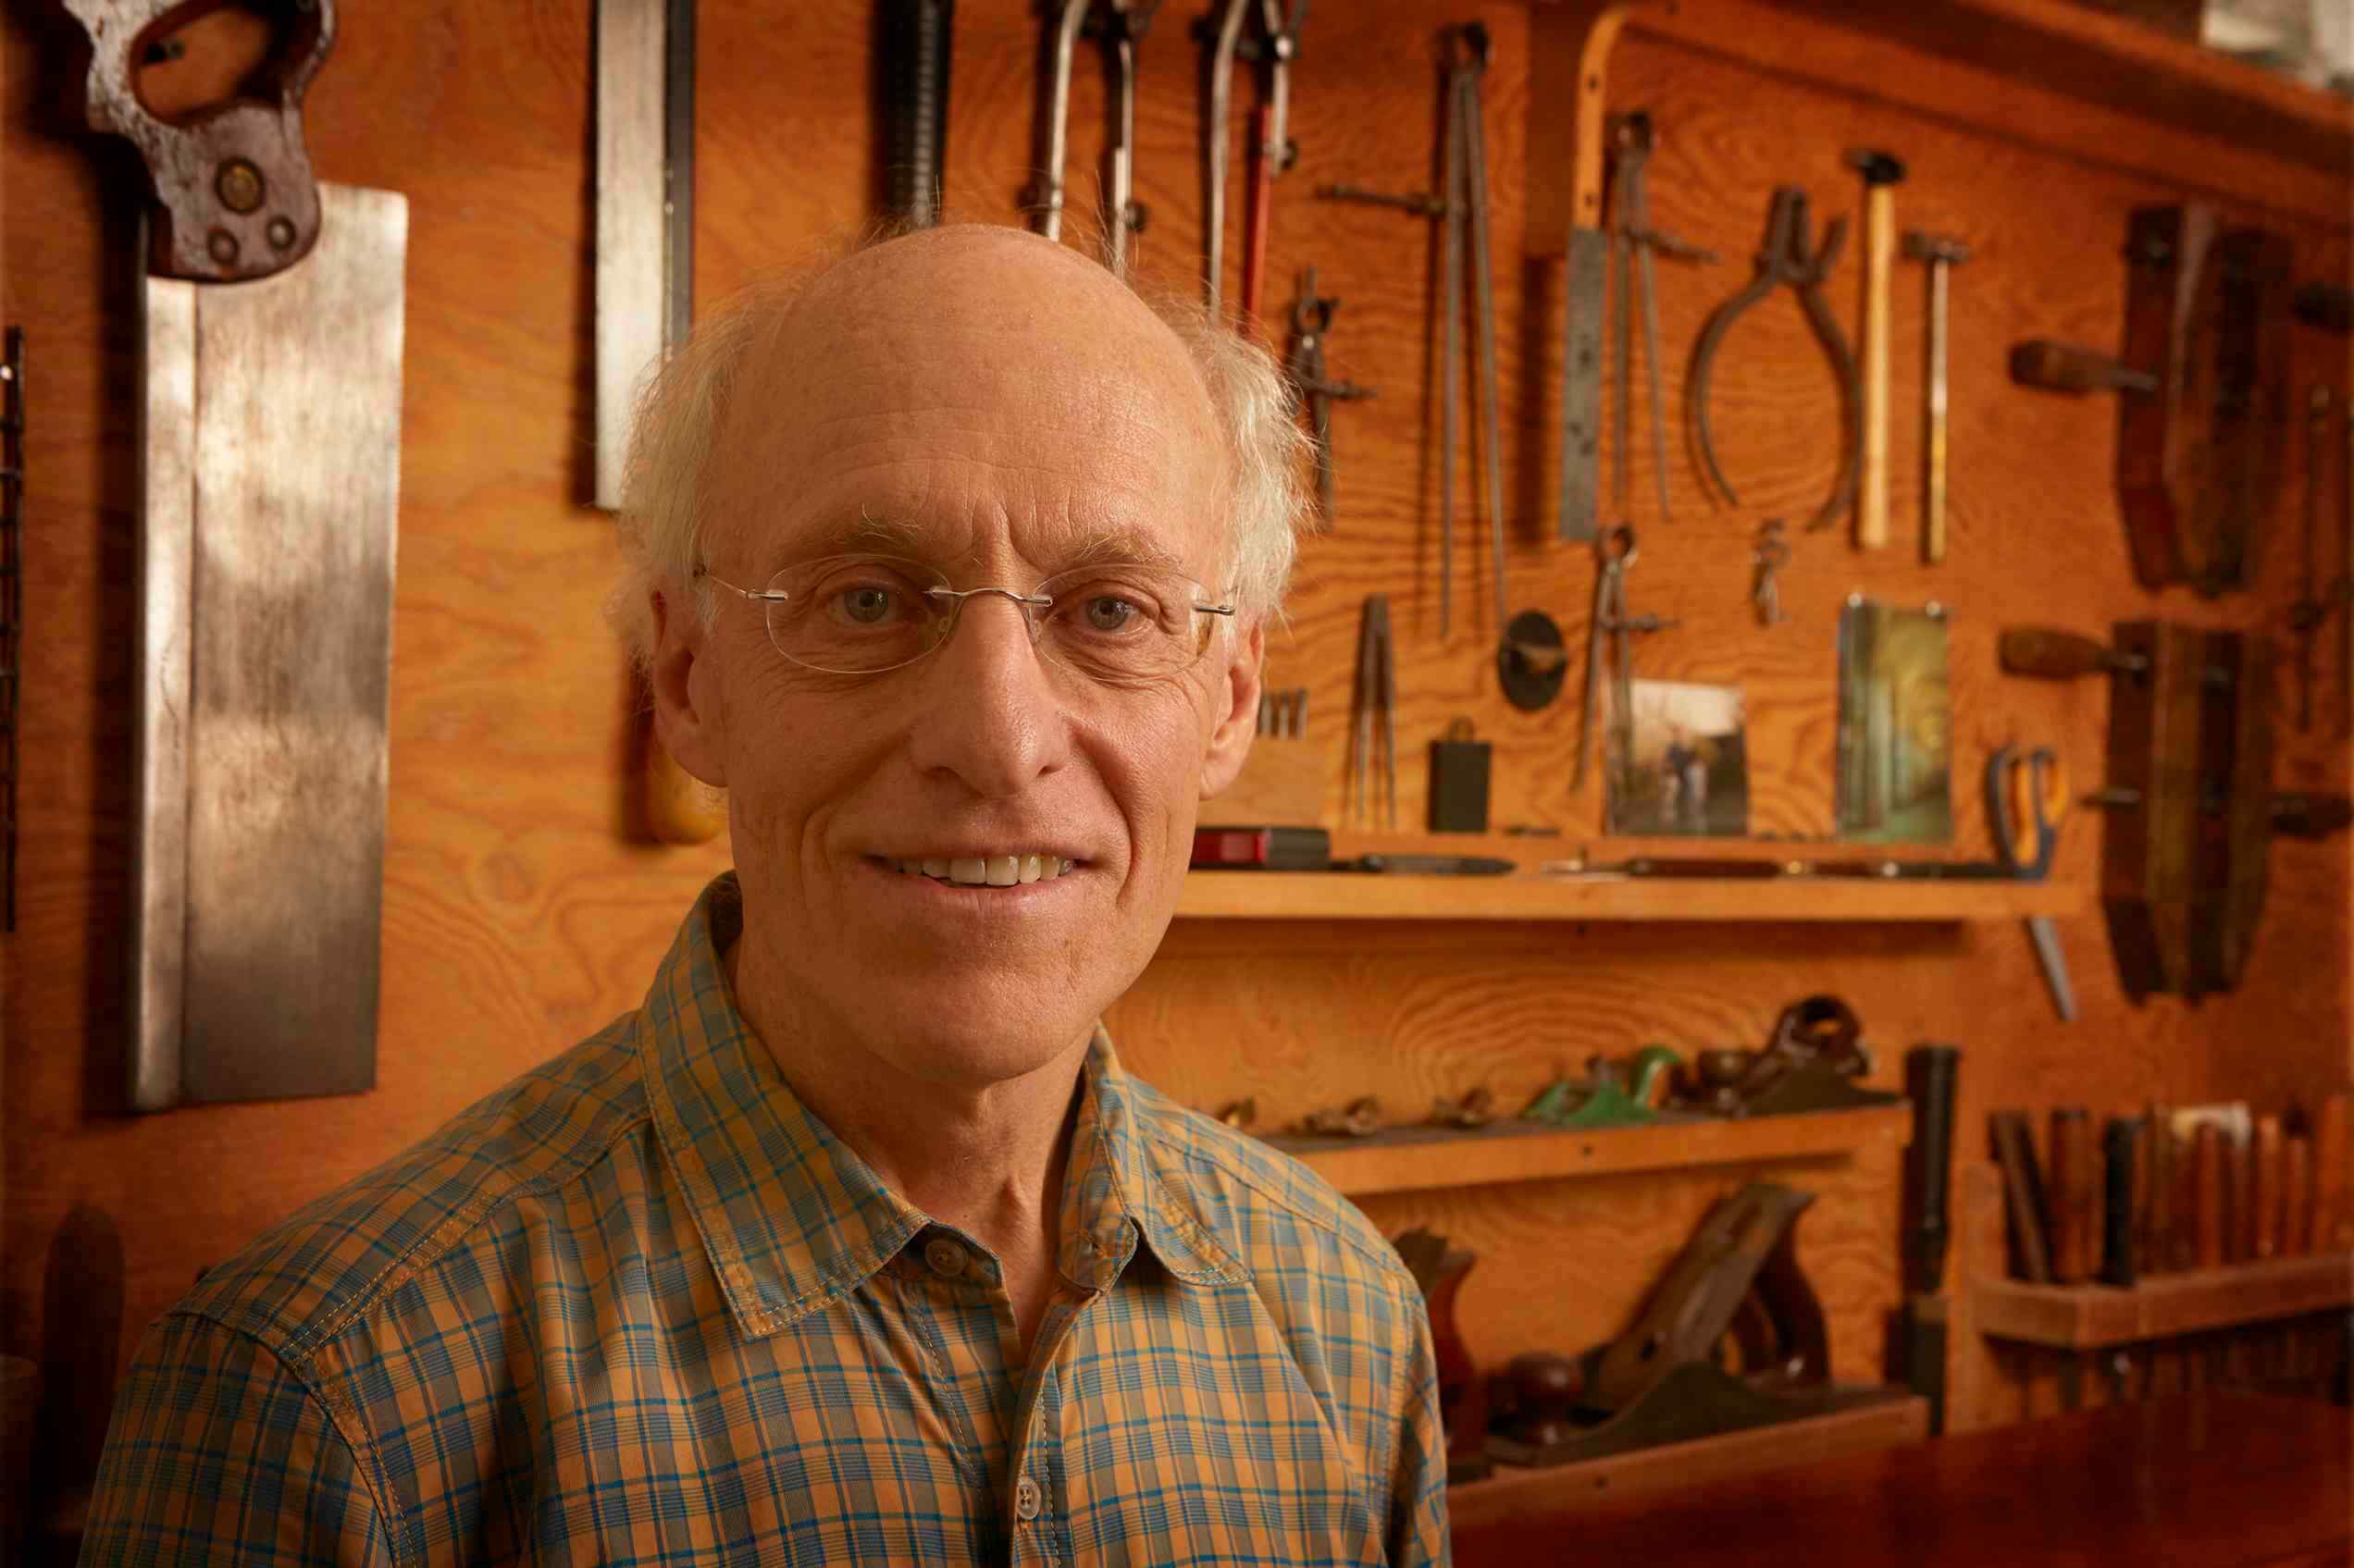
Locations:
(1513, 1491)
(2092, 1317)
(1417, 1159)
(1352, 895)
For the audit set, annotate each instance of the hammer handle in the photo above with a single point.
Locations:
(1879, 255)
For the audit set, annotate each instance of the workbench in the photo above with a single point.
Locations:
(2220, 1479)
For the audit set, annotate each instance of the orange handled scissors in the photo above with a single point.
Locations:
(2026, 801)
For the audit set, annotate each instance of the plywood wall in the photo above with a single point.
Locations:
(523, 910)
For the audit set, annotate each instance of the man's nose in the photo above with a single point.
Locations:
(991, 713)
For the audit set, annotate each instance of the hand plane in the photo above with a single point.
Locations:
(1735, 1294)
(1811, 1062)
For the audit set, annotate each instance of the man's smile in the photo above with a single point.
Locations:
(984, 871)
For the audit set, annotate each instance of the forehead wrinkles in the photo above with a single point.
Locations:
(1082, 410)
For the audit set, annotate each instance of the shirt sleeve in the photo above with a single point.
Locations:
(217, 1454)
(1418, 1485)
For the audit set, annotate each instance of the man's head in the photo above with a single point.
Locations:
(997, 410)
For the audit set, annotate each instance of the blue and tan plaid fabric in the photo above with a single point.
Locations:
(641, 1307)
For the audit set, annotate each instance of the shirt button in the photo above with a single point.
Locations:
(1025, 1497)
(945, 1257)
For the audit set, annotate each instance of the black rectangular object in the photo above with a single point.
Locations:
(1459, 782)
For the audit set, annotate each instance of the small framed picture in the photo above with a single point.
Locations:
(1680, 761)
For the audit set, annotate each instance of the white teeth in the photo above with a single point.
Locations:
(994, 871)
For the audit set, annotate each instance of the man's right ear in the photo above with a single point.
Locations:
(687, 711)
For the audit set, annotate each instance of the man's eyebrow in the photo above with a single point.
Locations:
(863, 532)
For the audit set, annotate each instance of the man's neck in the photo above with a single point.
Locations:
(987, 1159)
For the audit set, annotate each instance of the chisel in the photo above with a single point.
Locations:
(2333, 1208)
(2268, 1190)
(2070, 1195)
(2119, 1173)
(2296, 1210)
(2207, 1196)
(1930, 1071)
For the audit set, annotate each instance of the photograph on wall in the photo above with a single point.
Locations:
(1680, 761)
(1895, 725)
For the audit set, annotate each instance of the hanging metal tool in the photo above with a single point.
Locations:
(1311, 319)
(1632, 241)
(1468, 217)
(1786, 258)
(917, 36)
(1272, 46)
(2027, 795)
(1942, 256)
(1373, 766)
(2311, 612)
(645, 209)
(272, 318)
(1118, 26)
(1611, 625)
(1585, 263)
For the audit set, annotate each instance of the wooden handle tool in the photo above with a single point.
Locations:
(2071, 1197)
(2023, 1195)
(2051, 655)
(2333, 1207)
(2060, 367)
(2207, 1196)
(1881, 172)
(2268, 1189)
(2297, 1178)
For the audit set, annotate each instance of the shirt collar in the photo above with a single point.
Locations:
(792, 1219)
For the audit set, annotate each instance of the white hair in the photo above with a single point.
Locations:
(667, 489)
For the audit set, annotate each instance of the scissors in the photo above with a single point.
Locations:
(2026, 801)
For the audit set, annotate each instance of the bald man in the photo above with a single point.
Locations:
(854, 1243)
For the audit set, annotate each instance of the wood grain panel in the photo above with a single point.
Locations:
(523, 910)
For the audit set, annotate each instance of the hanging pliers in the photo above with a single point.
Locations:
(1786, 258)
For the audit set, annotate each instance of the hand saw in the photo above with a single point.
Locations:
(270, 443)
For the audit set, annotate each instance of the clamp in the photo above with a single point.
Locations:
(1786, 258)
(1311, 319)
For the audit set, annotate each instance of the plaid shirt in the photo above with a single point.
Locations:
(642, 1306)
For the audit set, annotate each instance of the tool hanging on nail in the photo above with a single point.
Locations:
(1118, 26)
(1272, 47)
(916, 48)
(269, 394)
(1311, 321)
(1785, 259)
(1942, 255)
(1615, 554)
(1466, 220)
(2311, 612)
(1882, 172)
(1632, 241)
(2027, 795)
(1376, 750)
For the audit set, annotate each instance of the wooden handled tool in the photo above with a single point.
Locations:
(2333, 1207)
(2268, 1190)
(2023, 1195)
(2062, 367)
(1942, 255)
(2060, 656)
(1882, 172)
(2296, 1210)
(2207, 1196)
(2070, 1197)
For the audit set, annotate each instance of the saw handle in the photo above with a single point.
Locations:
(2061, 368)
(235, 197)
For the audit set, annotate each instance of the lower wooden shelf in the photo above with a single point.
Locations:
(1891, 1418)
(2092, 1317)
(1415, 1159)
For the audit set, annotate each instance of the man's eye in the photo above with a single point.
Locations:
(869, 605)
(1109, 612)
